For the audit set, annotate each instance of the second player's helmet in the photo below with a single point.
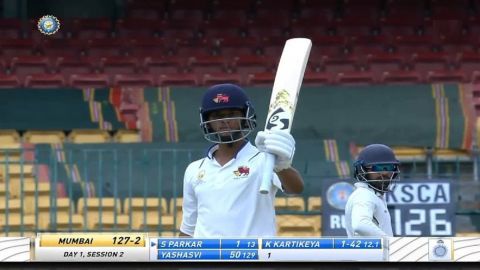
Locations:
(377, 166)
(227, 96)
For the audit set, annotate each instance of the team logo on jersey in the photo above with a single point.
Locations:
(338, 193)
(221, 98)
(200, 175)
(242, 171)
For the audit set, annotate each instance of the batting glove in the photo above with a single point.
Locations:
(279, 143)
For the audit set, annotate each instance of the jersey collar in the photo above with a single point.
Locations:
(214, 148)
(365, 185)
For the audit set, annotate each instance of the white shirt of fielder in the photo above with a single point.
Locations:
(366, 213)
(224, 201)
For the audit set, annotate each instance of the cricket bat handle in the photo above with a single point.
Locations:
(267, 176)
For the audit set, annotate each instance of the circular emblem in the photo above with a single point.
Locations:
(440, 250)
(48, 25)
(338, 193)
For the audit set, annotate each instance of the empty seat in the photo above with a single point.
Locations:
(221, 77)
(119, 64)
(368, 44)
(12, 206)
(10, 151)
(247, 64)
(10, 28)
(289, 204)
(138, 28)
(355, 77)
(176, 206)
(91, 80)
(56, 47)
(316, 78)
(34, 195)
(9, 81)
(383, 61)
(17, 222)
(16, 183)
(127, 136)
(66, 222)
(16, 170)
(133, 80)
(202, 64)
(89, 136)
(44, 81)
(163, 64)
(468, 61)
(27, 65)
(185, 79)
(160, 223)
(298, 223)
(261, 78)
(414, 43)
(459, 43)
(106, 47)
(400, 77)
(68, 65)
(36, 136)
(97, 28)
(340, 64)
(15, 47)
(143, 209)
(112, 222)
(315, 204)
(94, 208)
(224, 28)
(55, 209)
(145, 47)
(425, 61)
(445, 76)
(9, 136)
(235, 46)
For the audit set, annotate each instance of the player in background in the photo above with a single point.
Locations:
(221, 191)
(376, 170)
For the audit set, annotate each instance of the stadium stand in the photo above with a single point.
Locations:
(128, 126)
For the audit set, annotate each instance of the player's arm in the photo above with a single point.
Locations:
(292, 181)
(362, 219)
(182, 234)
(281, 144)
(189, 206)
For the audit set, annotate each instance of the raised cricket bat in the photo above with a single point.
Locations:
(283, 101)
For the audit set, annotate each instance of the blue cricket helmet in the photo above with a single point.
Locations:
(377, 160)
(227, 96)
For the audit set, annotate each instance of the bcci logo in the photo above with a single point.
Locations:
(242, 171)
(338, 193)
(48, 25)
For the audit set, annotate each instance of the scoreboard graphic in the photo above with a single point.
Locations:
(104, 247)
(275, 249)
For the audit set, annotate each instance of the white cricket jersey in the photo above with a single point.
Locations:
(224, 201)
(366, 213)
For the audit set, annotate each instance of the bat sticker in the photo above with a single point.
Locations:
(278, 120)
